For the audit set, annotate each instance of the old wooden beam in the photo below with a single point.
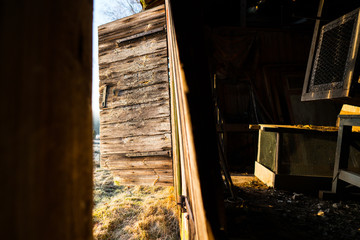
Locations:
(46, 138)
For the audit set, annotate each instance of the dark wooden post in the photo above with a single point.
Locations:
(45, 127)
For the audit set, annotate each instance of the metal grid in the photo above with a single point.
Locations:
(331, 62)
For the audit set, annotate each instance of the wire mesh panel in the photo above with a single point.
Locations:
(332, 70)
(334, 54)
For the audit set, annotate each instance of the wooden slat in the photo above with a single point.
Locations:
(110, 53)
(145, 180)
(133, 65)
(122, 98)
(137, 112)
(156, 143)
(115, 161)
(157, 177)
(126, 81)
(46, 141)
(129, 173)
(350, 177)
(192, 120)
(191, 187)
(140, 35)
(144, 45)
(135, 24)
(136, 128)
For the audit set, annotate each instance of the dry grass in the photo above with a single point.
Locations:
(136, 212)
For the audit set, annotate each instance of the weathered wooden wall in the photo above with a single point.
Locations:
(135, 136)
(46, 137)
(196, 165)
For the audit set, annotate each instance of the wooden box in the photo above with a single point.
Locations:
(296, 158)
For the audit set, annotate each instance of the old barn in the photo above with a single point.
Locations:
(191, 93)
(186, 99)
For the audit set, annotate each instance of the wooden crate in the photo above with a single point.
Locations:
(296, 158)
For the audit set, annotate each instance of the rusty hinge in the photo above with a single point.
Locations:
(103, 103)
(185, 206)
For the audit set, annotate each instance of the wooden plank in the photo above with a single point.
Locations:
(132, 25)
(269, 127)
(136, 128)
(121, 162)
(122, 98)
(143, 173)
(136, 112)
(350, 177)
(156, 143)
(197, 143)
(112, 52)
(133, 65)
(46, 139)
(305, 95)
(138, 36)
(146, 180)
(143, 177)
(191, 187)
(265, 175)
(142, 78)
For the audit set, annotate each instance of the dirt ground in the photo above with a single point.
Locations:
(266, 213)
(259, 212)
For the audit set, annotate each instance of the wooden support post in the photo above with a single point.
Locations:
(196, 123)
(312, 50)
(46, 137)
(342, 152)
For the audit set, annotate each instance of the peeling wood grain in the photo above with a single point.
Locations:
(137, 112)
(134, 64)
(136, 128)
(140, 95)
(144, 45)
(123, 162)
(135, 24)
(126, 81)
(155, 143)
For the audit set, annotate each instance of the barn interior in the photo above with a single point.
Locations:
(253, 57)
(258, 53)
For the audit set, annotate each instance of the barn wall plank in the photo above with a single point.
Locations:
(136, 128)
(137, 112)
(145, 45)
(128, 80)
(155, 143)
(122, 162)
(150, 93)
(146, 180)
(135, 24)
(131, 65)
(142, 173)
